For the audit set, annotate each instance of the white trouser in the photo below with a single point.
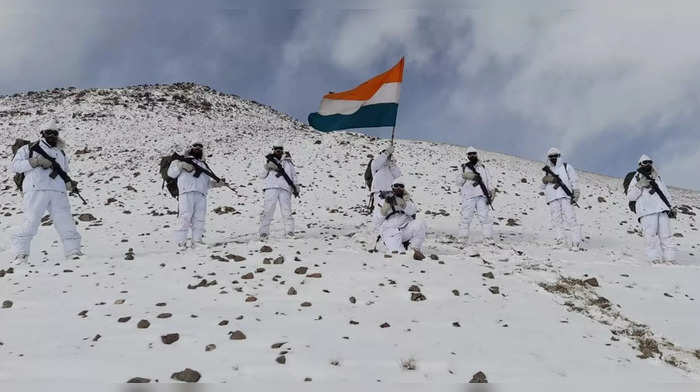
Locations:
(192, 215)
(272, 197)
(36, 203)
(657, 233)
(414, 232)
(469, 207)
(564, 219)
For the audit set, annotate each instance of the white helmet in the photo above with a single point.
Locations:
(553, 151)
(643, 158)
(49, 124)
(471, 149)
(277, 144)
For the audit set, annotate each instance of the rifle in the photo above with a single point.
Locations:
(282, 173)
(561, 184)
(655, 189)
(480, 181)
(198, 170)
(57, 170)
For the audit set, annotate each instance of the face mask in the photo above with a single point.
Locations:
(473, 158)
(646, 169)
(553, 160)
(197, 154)
(51, 140)
(278, 154)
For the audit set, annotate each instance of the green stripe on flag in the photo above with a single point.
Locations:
(377, 115)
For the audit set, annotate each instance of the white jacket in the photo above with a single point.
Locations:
(384, 172)
(186, 181)
(568, 177)
(647, 203)
(402, 217)
(468, 189)
(272, 180)
(37, 178)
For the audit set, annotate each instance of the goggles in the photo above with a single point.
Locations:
(50, 132)
(401, 186)
(647, 163)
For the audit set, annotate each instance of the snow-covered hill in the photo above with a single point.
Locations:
(518, 311)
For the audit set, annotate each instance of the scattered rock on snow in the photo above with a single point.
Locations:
(417, 297)
(591, 282)
(265, 249)
(478, 378)
(300, 270)
(237, 335)
(488, 275)
(494, 290)
(187, 375)
(170, 338)
(138, 380)
(292, 291)
(210, 347)
(281, 359)
(143, 324)
(7, 304)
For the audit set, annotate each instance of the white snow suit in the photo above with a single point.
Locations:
(43, 193)
(277, 190)
(473, 200)
(384, 172)
(398, 224)
(560, 208)
(652, 214)
(192, 201)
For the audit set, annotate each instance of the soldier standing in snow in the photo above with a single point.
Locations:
(653, 212)
(398, 227)
(384, 172)
(193, 188)
(470, 180)
(561, 204)
(43, 191)
(280, 177)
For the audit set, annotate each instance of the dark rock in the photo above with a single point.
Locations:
(385, 325)
(164, 315)
(223, 322)
(143, 324)
(591, 282)
(678, 235)
(292, 291)
(352, 300)
(456, 324)
(124, 319)
(187, 375)
(601, 199)
(494, 290)
(235, 258)
(237, 335)
(210, 347)
(488, 275)
(249, 275)
(138, 380)
(277, 345)
(478, 378)
(281, 359)
(278, 260)
(170, 338)
(86, 218)
(455, 292)
(314, 275)
(300, 270)
(251, 299)
(434, 257)
(417, 297)
(523, 180)
(305, 304)
(512, 222)
(7, 304)
(414, 289)
(265, 249)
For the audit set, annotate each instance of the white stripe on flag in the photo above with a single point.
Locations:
(387, 93)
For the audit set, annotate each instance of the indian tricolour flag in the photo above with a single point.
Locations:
(374, 103)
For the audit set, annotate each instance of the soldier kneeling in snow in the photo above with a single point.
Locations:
(399, 229)
(193, 189)
(44, 191)
(653, 211)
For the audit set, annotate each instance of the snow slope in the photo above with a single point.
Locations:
(544, 324)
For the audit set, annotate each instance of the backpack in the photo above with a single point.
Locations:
(625, 185)
(368, 174)
(168, 182)
(18, 178)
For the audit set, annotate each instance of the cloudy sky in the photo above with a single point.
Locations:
(605, 81)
